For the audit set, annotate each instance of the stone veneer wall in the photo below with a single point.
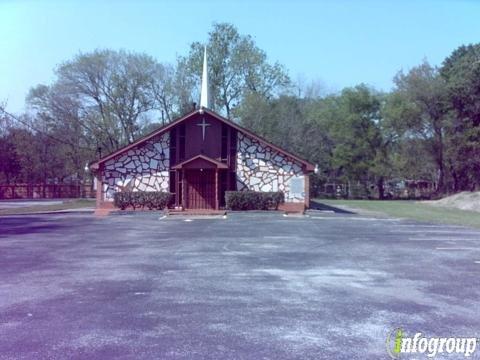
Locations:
(143, 168)
(261, 168)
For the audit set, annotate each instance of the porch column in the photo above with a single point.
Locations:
(184, 190)
(307, 190)
(216, 188)
(177, 188)
(99, 193)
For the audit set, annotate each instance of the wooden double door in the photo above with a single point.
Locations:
(200, 189)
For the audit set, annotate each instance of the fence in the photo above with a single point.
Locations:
(393, 189)
(46, 191)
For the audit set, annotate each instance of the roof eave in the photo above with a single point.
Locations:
(94, 166)
(154, 133)
(308, 166)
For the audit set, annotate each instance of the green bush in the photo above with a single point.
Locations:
(253, 200)
(142, 199)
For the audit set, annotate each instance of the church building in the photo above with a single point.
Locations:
(200, 156)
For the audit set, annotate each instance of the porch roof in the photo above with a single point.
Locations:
(200, 161)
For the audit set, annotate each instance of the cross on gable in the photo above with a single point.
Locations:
(203, 125)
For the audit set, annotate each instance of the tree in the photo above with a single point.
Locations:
(168, 92)
(236, 67)
(358, 138)
(115, 88)
(461, 71)
(186, 86)
(280, 120)
(37, 150)
(347, 136)
(417, 109)
(309, 89)
(9, 162)
(59, 117)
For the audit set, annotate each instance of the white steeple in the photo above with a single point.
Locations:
(204, 101)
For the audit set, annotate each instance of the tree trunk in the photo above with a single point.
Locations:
(227, 107)
(455, 178)
(439, 159)
(381, 188)
(441, 177)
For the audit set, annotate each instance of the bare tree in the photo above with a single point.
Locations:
(115, 85)
(163, 91)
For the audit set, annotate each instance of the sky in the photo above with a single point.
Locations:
(338, 43)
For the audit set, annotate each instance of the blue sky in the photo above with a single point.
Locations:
(341, 43)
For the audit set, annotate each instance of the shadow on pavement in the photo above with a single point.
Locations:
(314, 205)
(32, 224)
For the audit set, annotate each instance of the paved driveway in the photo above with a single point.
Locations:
(252, 286)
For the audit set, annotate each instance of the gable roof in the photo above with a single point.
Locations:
(217, 164)
(95, 164)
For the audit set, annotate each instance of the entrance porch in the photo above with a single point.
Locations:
(197, 185)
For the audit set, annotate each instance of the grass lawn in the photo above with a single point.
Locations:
(66, 205)
(411, 210)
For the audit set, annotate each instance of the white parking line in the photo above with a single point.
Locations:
(455, 248)
(437, 232)
(276, 237)
(441, 239)
(431, 226)
(351, 218)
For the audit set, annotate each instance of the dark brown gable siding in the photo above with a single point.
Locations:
(195, 145)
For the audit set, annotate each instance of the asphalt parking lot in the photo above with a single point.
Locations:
(251, 286)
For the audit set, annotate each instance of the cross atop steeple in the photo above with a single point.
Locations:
(204, 101)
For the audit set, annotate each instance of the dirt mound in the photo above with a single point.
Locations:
(465, 201)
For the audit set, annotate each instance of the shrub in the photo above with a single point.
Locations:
(122, 200)
(141, 199)
(253, 200)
